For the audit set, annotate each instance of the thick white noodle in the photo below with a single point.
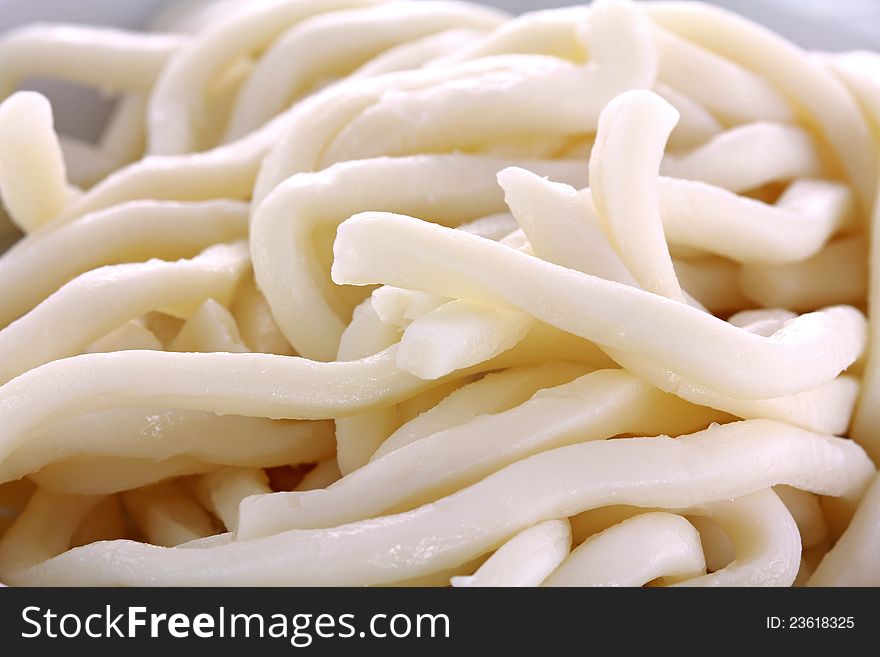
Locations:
(333, 44)
(341, 123)
(44, 528)
(256, 385)
(806, 352)
(322, 475)
(861, 73)
(633, 553)
(222, 491)
(33, 179)
(100, 57)
(225, 172)
(564, 230)
(728, 159)
(454, 336)
(130, 232)
(765, 538)
(854, 560)
(807, 513)
(77, 314)
(254, 320)
(464, 116)
(211, 329)
(781, 63)
(596, 406)
(630, 139)
(177, 103)
(417, 53)
(167, 514)
(131, 335)
(837, 274)
(494, 393)
(712, 465)
(696, 124)
(358, 436)
(383, 292)
(157, 434)
(124, 135)
(445, 188)
(525, 560)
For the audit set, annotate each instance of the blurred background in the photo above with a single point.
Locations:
(821, 24)
(817, 24)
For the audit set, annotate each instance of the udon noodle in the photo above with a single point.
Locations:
(370, 292)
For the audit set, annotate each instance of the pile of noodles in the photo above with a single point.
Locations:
(361, 292)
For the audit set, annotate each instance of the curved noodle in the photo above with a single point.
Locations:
(633, 553)
(718, 463)
(804, 345)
